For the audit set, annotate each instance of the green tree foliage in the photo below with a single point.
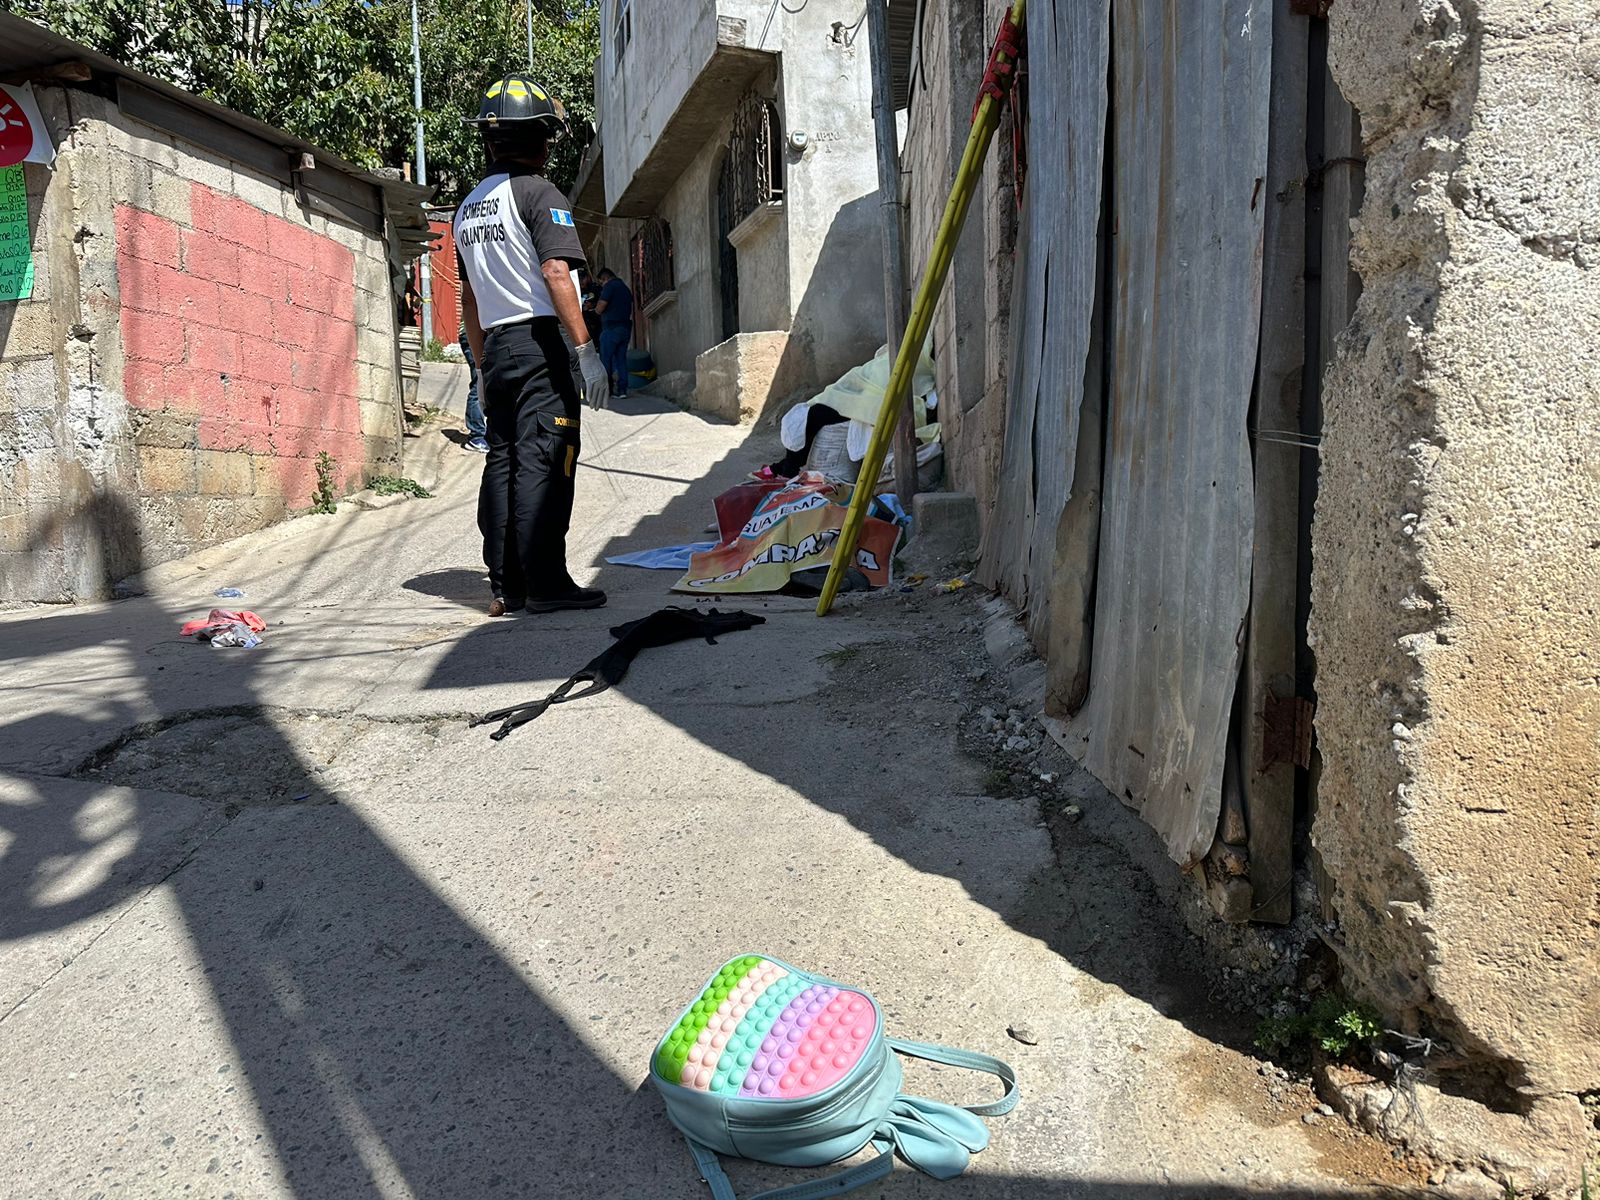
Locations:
(335, 72)
(185, 41)
(468, 46)
(338, 72)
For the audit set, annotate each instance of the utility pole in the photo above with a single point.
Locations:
(422, 165)
(894, 259)
(529, 5)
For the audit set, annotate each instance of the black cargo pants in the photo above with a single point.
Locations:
(530, 401)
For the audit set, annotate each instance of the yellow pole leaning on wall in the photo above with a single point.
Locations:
(968, 174)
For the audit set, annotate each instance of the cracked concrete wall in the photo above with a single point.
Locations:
(1455, 579)
(193, 341)
(67, 528)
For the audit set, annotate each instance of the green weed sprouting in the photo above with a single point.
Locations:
(325, 499)
(1334, 1024)
(396, 485)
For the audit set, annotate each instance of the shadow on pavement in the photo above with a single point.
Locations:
(1125, 934)
(389, 1047)
(464, 585)
(1104, 916)
(995, 1187)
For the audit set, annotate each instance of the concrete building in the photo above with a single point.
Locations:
(1278, 396)
(209, 312)
(733, 180)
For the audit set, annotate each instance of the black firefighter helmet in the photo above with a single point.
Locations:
(517, 106)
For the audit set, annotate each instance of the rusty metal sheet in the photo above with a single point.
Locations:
(1191, 98)
(1053, 297)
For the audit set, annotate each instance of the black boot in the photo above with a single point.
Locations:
(578, 597)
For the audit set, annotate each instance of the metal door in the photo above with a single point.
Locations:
(727, 256)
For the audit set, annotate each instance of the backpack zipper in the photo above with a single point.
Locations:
(853, 1090)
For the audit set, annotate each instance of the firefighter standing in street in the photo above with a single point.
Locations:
(518, 252)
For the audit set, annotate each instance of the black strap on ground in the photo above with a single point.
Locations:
(660, 628)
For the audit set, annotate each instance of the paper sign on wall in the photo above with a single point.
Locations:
(16, 248)
(23, 136)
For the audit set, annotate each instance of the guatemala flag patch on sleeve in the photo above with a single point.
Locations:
(561, 217)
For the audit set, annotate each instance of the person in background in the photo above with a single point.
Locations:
(590, 293)
(519, 255)
(477, 427)
(615, 307)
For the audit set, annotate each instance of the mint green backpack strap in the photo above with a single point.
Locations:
(874, 1169)
(972, 1061)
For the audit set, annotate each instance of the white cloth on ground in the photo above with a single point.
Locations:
(792, 430)
(857, 395)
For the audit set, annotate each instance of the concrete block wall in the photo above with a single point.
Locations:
(39, 485)
(971, 330)
(238, 328)
(742, 378)
(67, 526)
(196, 339)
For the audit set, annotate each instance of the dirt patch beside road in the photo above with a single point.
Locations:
(1115, 907)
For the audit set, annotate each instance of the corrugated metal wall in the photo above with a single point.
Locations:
(1189, 119)
(1192, 85)
(1053, 298)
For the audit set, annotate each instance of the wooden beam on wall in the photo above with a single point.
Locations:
(1267, 778)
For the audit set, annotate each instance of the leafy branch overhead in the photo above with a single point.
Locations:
(338, 72)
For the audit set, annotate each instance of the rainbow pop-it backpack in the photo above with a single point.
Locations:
(776, 1064)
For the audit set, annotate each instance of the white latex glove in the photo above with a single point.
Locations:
(596, 381)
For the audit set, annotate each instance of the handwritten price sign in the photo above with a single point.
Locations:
(16, 243)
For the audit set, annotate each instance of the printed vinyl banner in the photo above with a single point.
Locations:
(23, 136)
(779, 529)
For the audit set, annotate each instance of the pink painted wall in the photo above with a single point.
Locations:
(244, 324)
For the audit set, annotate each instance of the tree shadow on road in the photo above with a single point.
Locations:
(390, 1047)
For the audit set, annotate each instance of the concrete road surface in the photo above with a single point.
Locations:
(275, 923)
